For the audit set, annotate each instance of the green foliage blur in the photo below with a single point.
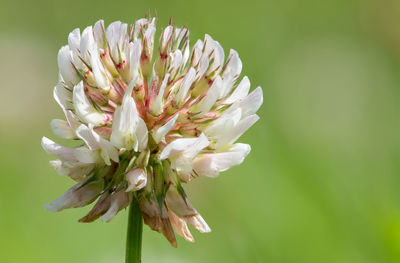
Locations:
(322, 181)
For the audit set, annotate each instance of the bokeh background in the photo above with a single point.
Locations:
(322, 181)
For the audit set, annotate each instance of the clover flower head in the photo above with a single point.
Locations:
(147, 121)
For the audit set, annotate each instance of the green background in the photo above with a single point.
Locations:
(322, 181)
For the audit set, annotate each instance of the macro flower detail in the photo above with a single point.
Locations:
(147, 122)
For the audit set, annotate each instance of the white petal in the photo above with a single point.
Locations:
(63, 153)
(98, 31)
(85, 109)
(184, 88)
(149, 37)
(139, 24)
(85, 155)
(197, 52)
(211, 164)
(73, 120)
(214, 49)
(159, 134)
(137, 179)
(240, 92)
(176, 60)
(86, 135)
(250, 104)
(62, 96)
(203, 66)
(67, 71)
(142, 135)
(75, 170)
(231, 72)
(74, 39)
(237, 131)
(117, 39)
(77, 196)
(134, 58)
(62, 129)
(167, 36)
(125, 123)
(186, 146)
(223, 124)
(108, 151)
(99, 72)
(87, 44)
(156, 106)
(95, 142)
(210, 98)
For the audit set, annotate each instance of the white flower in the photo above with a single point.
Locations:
(147, 121)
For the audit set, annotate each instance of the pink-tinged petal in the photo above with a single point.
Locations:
(157, 220)
(137, 179)
(183, 208)
(77, 171)
(119, 201)
(77, 196)
(100, 208)
(180, 226)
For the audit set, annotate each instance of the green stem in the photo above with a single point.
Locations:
(134, 233)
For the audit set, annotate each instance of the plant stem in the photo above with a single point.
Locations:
(134, 233)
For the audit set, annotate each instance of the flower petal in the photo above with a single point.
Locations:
(182, 208)
(62, 129)
(240, 92)
(249, 104)
(231, 72)
(211, 164)
(180, 97)
(119, 201)
(157, 220)
(62, 96)
(77, 196)
(137, 179)
(67, 70)
(85, 109)
(237, 131)
(180, 226)
(63, 153)
(159, 133)
(77, 171)
(187, 146)
(210, 98)
(126, 120)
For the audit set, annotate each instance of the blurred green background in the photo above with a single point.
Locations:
(322, 181)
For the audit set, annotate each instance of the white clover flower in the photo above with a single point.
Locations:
(147, 122)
